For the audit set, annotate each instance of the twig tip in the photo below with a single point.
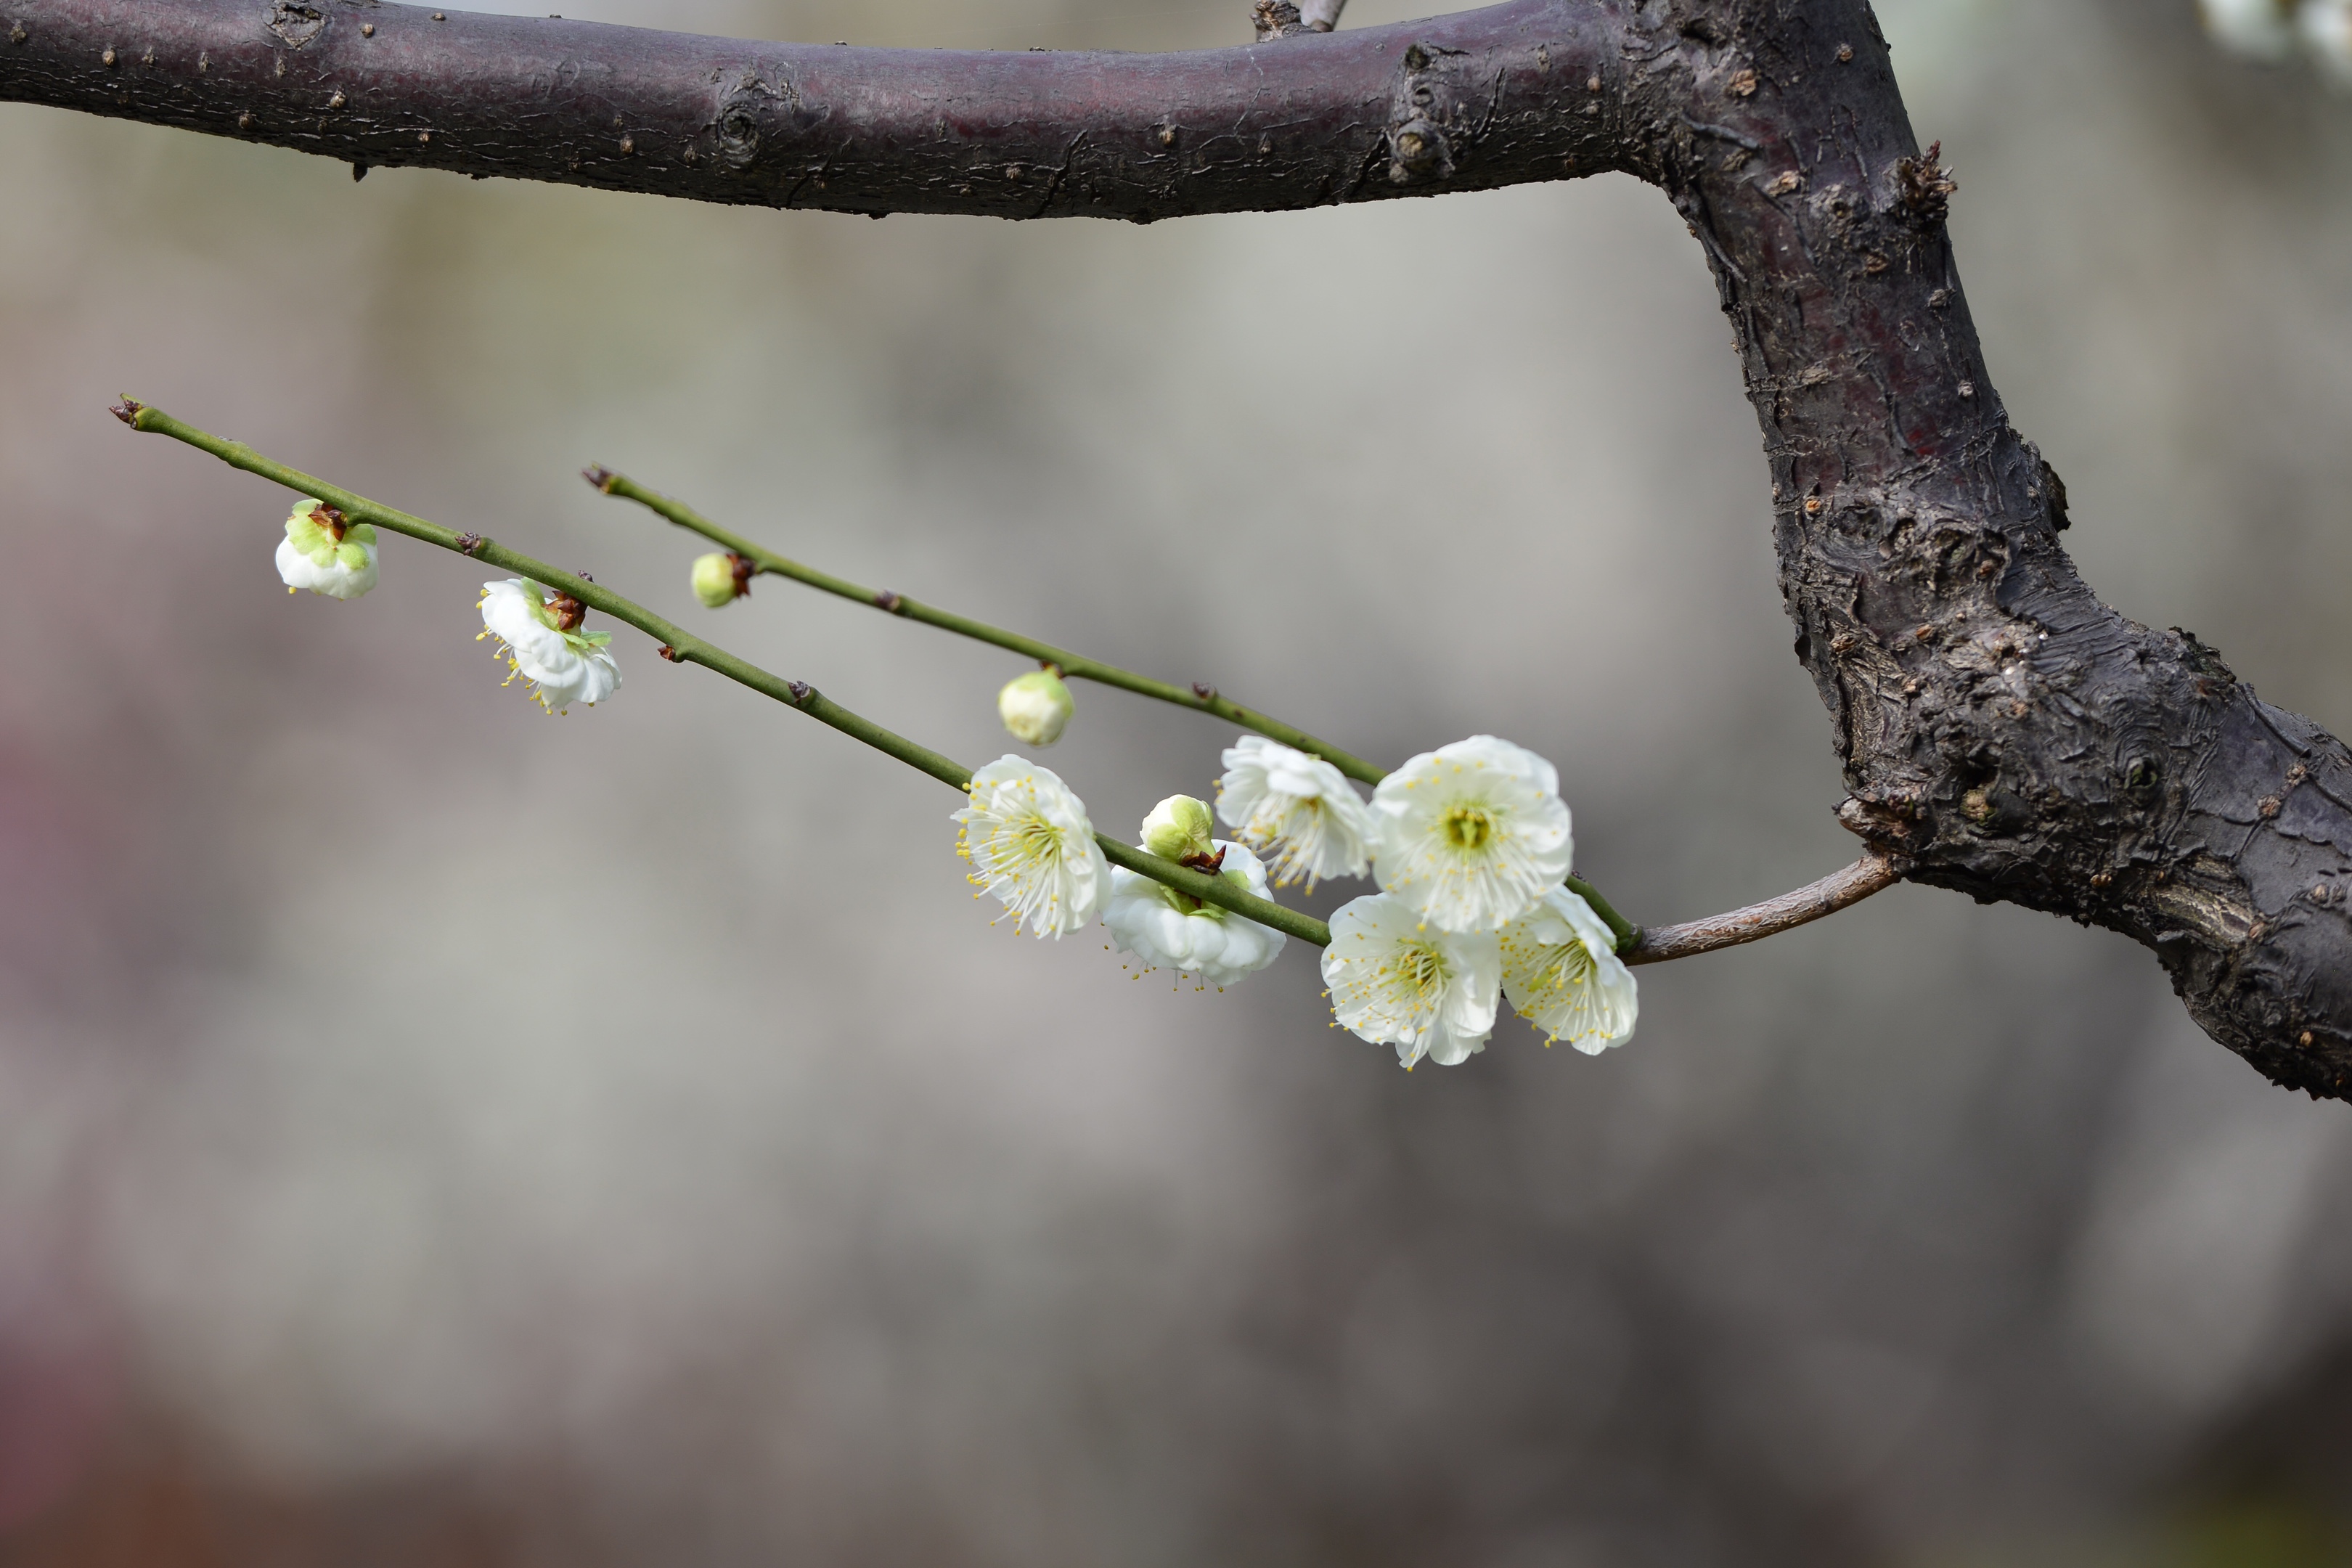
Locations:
(600, 476)
(128, 411)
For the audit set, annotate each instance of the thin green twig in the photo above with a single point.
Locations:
(1202, 698)
(1073, 666)
(683, 647)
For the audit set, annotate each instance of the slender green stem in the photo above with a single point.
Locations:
(683, 647)
(1077, 667)
(1628, 934)
(1206, 888)
(1071, 664)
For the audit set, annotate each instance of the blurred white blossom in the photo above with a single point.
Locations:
(2325, 28)
(1471, 835)
(1395, 981)
(558, 662)
(2259, 29)
(1296, 808)
(1562, 975)
(1031, 846)
(325, 553)
(1169, 930)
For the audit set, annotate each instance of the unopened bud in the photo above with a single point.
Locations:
(1035, 707)
(719, 579)
(1179, 828)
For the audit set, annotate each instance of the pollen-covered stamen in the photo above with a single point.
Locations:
(1562, 975)
(1467, 827)
(1031, 847)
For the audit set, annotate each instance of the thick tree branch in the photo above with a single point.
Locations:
(1294, 122)
(2002, 732)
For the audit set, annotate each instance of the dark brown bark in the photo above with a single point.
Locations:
(2003, 732)
(1296, 120)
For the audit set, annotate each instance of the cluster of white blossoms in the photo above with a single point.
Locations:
(1471, 845)
(2274, 29)
(326, 554)
(538, 628)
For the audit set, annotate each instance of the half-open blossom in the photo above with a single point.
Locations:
(1031, 846)
(1561, 972)
(1296, 809)
(326, 554)
(1396, 980)
(1035, 708)
(1168, 930)
(1471, 835)
(540, 630)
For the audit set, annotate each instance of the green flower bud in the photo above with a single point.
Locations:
(1179, 829)
(1035, 707)
(719, 579)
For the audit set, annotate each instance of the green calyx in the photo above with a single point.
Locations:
(309, 529)
(1179, 829)
(1186, 904)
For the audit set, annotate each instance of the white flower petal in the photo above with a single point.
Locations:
(560, 670)
(1031, 846)
(1217, 945)
(1471, 835)
(1395, 980)
(335, 579)
(1562, 975)
(1296, 808)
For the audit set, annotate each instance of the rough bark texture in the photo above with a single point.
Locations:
(1296, 120)
(2002, 732)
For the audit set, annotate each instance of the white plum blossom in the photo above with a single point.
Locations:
(1561, 972)
(1395, 980)
(1035, 708)
(325, 553)
(559, 663)
(1169, 930)
(1295, 808)
(2259, 29)
(1471, 835)
(1031, 846)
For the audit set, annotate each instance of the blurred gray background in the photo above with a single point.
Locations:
(377, 1189)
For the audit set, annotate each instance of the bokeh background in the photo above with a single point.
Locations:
(431, 1133)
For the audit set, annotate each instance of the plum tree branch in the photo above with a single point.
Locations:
(2001, 731)
(682, 647)
(1840, 890)
(1200, 698)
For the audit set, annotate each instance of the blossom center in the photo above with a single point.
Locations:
(1468, 827)
(1421, 967)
